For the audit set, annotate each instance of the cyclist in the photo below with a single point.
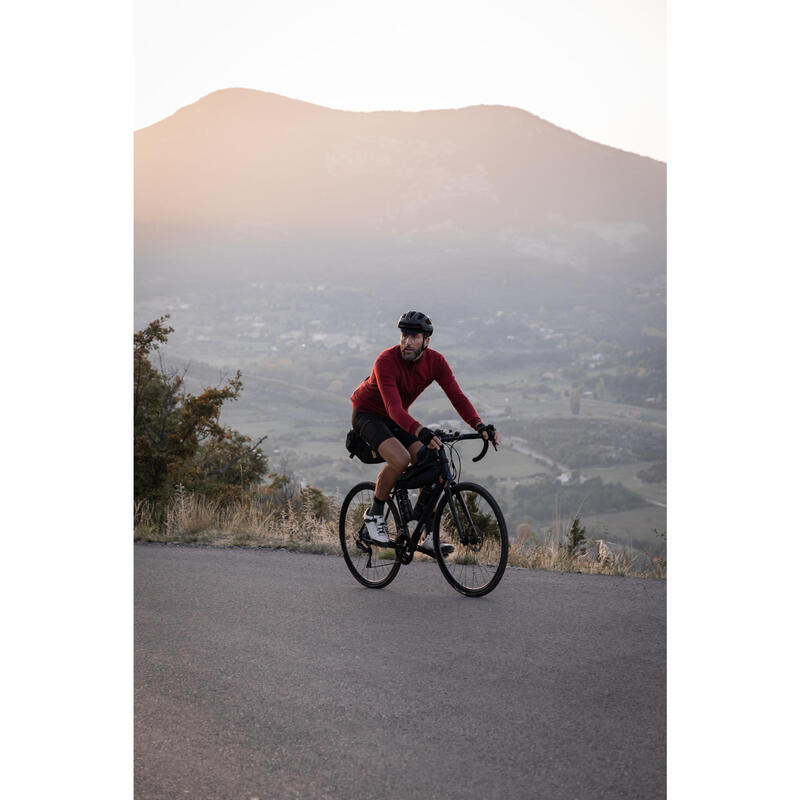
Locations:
(381, 418)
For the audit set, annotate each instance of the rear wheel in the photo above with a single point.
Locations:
(476, 529)
(370, 564)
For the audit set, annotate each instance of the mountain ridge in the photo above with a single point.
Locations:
(286, 98)
(256, 184)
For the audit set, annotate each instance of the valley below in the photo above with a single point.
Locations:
(582, 419)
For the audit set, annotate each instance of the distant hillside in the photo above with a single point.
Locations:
(253, 184)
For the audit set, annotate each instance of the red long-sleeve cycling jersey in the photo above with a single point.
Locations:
(395, 384)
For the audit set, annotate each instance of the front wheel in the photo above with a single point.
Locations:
(370, 564)
(474, 525)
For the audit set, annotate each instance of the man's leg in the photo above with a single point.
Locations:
(393, 445)
(397, 459)
(415, 450)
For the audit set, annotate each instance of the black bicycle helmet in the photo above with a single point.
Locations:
(415, 322)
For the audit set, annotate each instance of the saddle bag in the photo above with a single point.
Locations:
(360, 449)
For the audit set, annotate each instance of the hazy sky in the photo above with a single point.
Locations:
(596, 67)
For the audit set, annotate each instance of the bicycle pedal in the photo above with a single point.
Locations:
(364, 537)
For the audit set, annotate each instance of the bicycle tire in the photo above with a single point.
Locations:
(475, 567)
(371, 566)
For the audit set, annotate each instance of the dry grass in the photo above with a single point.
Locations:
(598, 557)
(194, 519)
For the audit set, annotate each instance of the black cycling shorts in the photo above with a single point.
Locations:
(375, 430)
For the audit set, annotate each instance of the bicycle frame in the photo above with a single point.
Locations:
(463, 518)
(408, 541)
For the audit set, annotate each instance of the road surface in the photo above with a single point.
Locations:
(267, 674)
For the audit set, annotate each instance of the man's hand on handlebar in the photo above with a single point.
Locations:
(429, 438)
(488, 432)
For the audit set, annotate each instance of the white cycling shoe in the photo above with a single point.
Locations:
(377, 529)
(427, 547)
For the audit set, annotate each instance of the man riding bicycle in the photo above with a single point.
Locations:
(381, 418)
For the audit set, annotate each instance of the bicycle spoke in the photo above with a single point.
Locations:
(370, 564)
(478, 535)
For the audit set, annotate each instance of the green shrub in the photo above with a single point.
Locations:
(177, 437)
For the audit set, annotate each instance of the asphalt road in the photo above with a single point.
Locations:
(266, 674)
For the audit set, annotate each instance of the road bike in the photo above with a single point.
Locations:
(462, 514)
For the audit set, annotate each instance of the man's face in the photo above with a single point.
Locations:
(412, 345)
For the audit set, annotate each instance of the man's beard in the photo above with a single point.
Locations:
(413, 355)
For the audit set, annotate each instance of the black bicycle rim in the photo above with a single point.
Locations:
(480, 540)
(372, 566)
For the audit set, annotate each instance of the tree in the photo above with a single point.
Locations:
(576, 541)
(177, 437)
(600, 390)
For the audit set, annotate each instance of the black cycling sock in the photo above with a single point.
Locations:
(377, 507)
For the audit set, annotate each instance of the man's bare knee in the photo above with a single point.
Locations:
(394, 454)
(400, 464)
(398, 460)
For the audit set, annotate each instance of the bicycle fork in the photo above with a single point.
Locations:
(469, 536)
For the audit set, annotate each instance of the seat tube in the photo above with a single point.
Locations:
(404, 506)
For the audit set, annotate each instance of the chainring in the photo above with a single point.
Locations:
(403, 547)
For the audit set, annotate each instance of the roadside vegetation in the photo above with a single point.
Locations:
(304, 522)
(198, 481)
(308, 522)
(568, 548)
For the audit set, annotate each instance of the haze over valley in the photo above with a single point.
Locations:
(285, 239)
